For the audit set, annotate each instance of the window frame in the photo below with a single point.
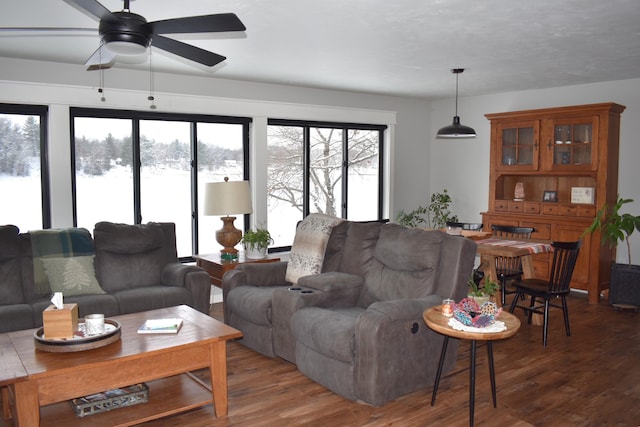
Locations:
(42, 111)
(306, 125)
(136, 116)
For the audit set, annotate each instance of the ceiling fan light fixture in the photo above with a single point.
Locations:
(456, 129)
(126, 48)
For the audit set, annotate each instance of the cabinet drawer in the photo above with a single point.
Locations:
(502, 205)
(588, 211)
(568, 210)
(549, 209)
(541, 230)
(516, 206)
(532, 207)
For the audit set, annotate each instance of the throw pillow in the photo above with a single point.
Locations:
(309, 245)
(72, 275)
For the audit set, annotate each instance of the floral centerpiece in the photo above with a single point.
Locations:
(470, 313)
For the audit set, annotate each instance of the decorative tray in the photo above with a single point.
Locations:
(110, 399)
(80, 341)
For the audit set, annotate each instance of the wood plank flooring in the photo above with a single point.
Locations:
(589, 379)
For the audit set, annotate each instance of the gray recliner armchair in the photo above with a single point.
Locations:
(373, 345)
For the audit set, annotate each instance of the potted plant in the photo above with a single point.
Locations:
(437, 213)
(482, 291)
(256, 243)
(616, 227)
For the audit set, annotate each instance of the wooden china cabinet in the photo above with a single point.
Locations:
(566, 159)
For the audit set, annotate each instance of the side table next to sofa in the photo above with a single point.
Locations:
(216, 266)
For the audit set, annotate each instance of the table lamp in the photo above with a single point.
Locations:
(228, 198)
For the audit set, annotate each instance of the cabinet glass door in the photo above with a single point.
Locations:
(574, 144)
(518, 147)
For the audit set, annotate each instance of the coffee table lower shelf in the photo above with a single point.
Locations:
(167, 396)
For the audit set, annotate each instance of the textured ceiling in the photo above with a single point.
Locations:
(402, 48)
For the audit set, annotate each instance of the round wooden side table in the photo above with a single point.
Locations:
(435, 320)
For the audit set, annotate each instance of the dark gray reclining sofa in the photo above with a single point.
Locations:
(357, 327)
(136, 265)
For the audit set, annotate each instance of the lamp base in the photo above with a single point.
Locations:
(228, 236)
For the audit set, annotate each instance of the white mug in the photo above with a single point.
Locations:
(94, 324)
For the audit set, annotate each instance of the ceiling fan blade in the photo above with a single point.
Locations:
(199, 24)
(47, 29)
(93, 9)
(187, 51)
(100, 59)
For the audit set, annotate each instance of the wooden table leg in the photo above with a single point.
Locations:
(27, 403)
(218, 371)
(6, 403)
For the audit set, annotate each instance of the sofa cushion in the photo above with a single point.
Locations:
(131, 256)
(254, 302)
(72, 276)
(152, 297)
(404, 265)
(15, 317)
(57, 243)
(359, 245)
(10, 278)
(309, 245)
(329, 332)
(128, 239)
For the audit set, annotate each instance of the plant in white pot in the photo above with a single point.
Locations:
(482, 291)
(256, 243)
(616, 227)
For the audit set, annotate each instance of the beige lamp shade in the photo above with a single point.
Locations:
(225, 199)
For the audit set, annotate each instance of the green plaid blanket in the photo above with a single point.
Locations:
(57, 243)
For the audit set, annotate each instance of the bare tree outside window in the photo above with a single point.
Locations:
(339, 158)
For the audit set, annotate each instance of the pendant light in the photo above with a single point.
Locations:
(456, 130)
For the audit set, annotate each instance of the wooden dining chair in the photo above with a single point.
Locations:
(473, 226)
(543, 291)
(509, 268)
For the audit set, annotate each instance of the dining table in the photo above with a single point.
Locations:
(490, 248)
(493, 247)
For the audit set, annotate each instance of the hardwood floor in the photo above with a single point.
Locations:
(589, 379)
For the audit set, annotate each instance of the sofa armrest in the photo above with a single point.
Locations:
(397, 352)
(255, 274)
(195, 279)
(332, 282)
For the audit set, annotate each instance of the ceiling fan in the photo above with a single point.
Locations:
(127, 33)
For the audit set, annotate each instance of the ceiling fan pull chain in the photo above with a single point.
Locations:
(101, 88)
(151, 84)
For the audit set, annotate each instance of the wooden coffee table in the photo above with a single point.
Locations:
(163, 361)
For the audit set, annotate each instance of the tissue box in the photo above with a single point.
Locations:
(60, 323)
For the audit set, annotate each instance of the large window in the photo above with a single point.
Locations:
(24, 188)
(332, 168)
(135, 167)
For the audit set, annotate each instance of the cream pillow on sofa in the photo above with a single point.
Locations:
(72, 275)
(309, 245)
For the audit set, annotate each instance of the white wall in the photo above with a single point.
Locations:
(462, 166)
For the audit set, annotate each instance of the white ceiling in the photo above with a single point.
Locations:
(405, 47)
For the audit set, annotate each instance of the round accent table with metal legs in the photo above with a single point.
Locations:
(435, 320)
